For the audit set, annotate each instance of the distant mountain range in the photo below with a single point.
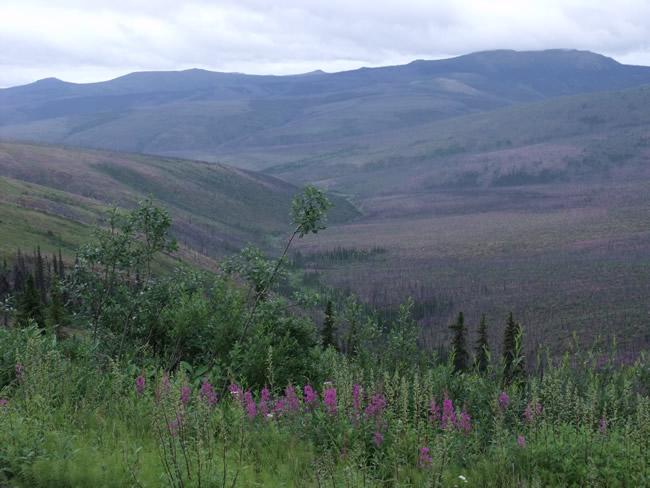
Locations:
(259, 122)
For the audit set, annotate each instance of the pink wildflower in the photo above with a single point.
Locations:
(310, 397)
(448, 420)
(378, 439)
(280, 406)
(356, 399)
(425, 458)
(163, 387)
(376, 405)
(465, 422)
(236, 391)
(208, 394)
(532, 411)
(521, 440)
(329, 399)
(186, 392)
(3, 402)
(293, 404)
(140, 384)
(251, 409)
(434, 412)
(504, 401)
(265, 398)
(602, 425)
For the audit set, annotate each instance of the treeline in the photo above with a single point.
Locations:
(31, 288)
(337, 255)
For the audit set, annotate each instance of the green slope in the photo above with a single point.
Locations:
(52, 193)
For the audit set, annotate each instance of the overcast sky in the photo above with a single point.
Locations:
(90, 40)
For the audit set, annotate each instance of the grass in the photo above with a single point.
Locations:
(215, 208)
(591, 426)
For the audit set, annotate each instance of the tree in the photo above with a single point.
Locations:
(329, 327)
(482, 346)
(55, 313)
(29, 304)
(458, 344)
(512, 351)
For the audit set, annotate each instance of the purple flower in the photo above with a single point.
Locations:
(174, 426)
(532, 411)
(293, 404)
(329, 399)
(448, 420)
(251, 409)
(504, 401)
(602, 425)
(163, 387)
(265, 398)
(208, 394)
(425, 459)
(356, 399)
(186, 392)
(376, 405)
(310, 397)
(236, 391)
(465, 422)
(378, 439)
(280, 406)
(521, 440)
(140, 384)
(434, 412)
(3, 402)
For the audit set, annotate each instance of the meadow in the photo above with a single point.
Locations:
(66, 422)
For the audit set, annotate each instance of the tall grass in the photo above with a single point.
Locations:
(66, 420)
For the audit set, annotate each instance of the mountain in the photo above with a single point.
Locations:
(261, 121)
(52, 195)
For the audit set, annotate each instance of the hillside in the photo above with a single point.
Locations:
(260, 121)
(51, 194)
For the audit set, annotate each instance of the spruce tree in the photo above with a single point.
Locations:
(329, 327)
(29, 304)
(55, 313)
(61, 266)
(458, 344)
(512, 354)
(482, 346)
(39, 274)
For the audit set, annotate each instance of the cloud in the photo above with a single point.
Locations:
(92, 40)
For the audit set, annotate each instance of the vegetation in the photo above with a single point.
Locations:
(182, 378)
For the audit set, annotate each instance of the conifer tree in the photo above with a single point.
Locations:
(482, 346)
(458, 344)
(329, 327)
(39, 274)
(19, 273)
(29, 304)
(512, 353)
(61, 267)
(55, 313)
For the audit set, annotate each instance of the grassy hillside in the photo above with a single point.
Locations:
(51, 194)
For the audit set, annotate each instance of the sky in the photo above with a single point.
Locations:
(92, 40)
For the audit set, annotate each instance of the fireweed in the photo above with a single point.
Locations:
(208, 394)
(140, 384)
(504, 401)
(329, 399)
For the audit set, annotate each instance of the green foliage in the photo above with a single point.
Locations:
(482, 348)
(328, 334)
(29, 306)
(309, 210)
(459, 344)
(513, 359)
